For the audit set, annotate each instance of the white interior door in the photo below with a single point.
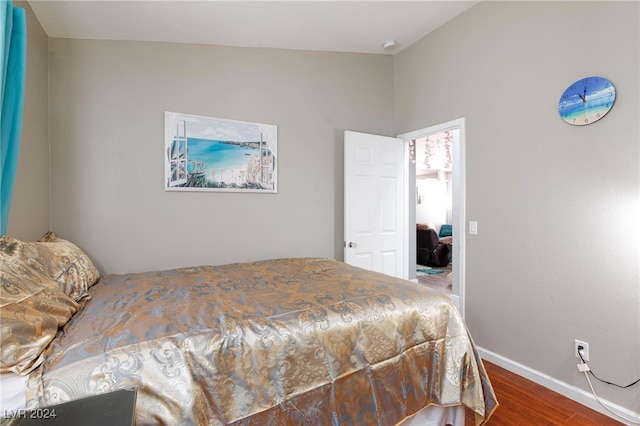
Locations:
(374, 202)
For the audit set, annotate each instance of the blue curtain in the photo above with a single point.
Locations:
(13, 51)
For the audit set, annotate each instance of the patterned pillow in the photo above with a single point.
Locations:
(32, 308)
(64, 263)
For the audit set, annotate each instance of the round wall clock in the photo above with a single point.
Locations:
(587, 101)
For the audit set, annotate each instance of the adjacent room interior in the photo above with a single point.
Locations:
(434, 210)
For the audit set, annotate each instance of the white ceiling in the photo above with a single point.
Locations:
(342, 26)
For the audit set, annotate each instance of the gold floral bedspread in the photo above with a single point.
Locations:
(278, 342)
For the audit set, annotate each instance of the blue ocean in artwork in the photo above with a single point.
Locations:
(218, 154)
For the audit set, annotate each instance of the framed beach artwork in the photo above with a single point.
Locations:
(215, 154)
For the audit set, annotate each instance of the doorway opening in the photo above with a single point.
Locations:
(434, 209)
(436, 197)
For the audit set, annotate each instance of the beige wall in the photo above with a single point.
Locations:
(107, 104)
(29, 216)
(557, 252)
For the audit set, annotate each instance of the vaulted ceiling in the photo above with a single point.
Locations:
(343, 26)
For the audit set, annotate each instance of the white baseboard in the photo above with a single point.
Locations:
(571, 392)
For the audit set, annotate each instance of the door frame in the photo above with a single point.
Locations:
(459, 206)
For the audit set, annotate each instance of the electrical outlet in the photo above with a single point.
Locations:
(585, 349)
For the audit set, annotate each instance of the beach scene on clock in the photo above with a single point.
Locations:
(586, 101)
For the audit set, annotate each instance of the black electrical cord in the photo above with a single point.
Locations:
(604, 381)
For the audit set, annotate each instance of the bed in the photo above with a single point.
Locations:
(298, 341)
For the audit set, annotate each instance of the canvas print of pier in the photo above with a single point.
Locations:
(214, 154)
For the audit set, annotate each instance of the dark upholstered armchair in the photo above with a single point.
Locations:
(431, 252)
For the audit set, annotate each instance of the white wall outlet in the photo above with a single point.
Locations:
(585, 349)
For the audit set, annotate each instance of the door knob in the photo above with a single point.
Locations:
(352, 244)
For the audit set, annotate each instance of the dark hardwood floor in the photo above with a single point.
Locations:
(524, 403)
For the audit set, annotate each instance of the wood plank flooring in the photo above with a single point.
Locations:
(525, 403)
(437, 281)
